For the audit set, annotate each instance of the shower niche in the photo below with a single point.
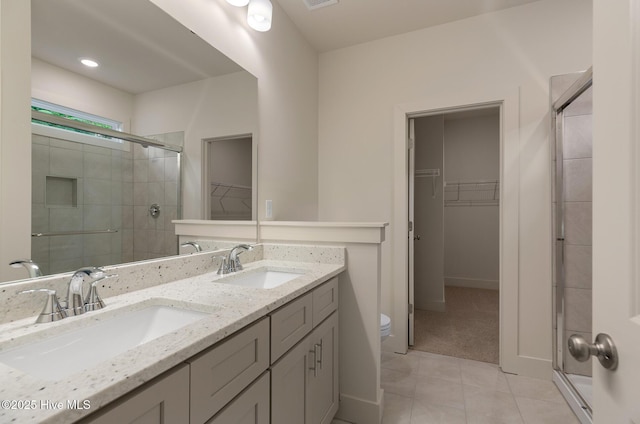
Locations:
(61, 192)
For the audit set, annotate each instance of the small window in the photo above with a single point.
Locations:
(75, 115)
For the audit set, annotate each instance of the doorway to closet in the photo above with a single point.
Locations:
(454, 171)
(228, 175)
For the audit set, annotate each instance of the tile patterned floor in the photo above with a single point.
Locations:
(425, 388)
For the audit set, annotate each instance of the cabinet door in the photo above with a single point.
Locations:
(289, 386)
(325, 300)
(164, 400)
(290, 324)
(250, 407)
(220, 373)
(323, 382)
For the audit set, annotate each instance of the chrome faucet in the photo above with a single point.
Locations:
(32, 267)
(75, 296)
(192, 244)
(93, 301)
(233, 263)
(52, 310)
(76, 303)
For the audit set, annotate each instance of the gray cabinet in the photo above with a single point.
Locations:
(290, 324)
(221, 372)
(250, 407)
(323, 383)
(304, 382)
(196, 391)
(164, 400)
(289, 386)
(325, 300)
(230, 382)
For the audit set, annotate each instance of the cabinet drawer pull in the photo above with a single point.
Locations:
(316, 362)
(321, 352)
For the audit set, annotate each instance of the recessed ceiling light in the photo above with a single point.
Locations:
(89, 63)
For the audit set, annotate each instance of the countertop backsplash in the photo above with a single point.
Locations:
(140, 275)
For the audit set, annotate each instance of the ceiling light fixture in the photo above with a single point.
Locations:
(259, 14)
(89, 63)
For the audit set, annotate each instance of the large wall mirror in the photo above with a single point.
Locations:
(93, 199)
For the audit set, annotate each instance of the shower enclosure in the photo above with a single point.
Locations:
(101, 201)
(571, 116)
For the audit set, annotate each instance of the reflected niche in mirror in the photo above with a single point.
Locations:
(91, 200)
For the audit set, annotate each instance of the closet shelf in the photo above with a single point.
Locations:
(472, 193)
(422, 173)
(230, 201)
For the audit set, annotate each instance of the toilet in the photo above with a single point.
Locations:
(385, 327)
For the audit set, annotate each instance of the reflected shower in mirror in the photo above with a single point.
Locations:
(93, 202)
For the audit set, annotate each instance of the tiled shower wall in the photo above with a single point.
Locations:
(79, 187)
(577, 192)
(96, 177)
(155, 181)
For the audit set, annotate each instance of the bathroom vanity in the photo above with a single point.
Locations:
(254, 374)
(246, 351)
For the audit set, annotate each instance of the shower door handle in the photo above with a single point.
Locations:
(603, 348)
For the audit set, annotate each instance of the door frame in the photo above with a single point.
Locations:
(508, 101)
(205, 149)
(411, 144)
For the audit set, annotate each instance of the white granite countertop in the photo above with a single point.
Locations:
(33, 400)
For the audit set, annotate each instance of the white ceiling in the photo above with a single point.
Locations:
(140, 48)
(353, 22)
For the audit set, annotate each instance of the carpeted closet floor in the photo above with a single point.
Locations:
(467, 329)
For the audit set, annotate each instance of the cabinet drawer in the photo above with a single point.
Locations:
(220, 373)
(325, 300)
(252, 406)
(164, 400)
(290, 324)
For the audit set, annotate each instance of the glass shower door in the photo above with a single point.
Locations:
(572, 119)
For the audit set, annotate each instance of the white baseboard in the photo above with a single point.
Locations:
(359, 411)
(527, 366)
(431, 305)
(472, 283)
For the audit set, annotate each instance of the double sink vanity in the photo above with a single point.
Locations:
(260, 342)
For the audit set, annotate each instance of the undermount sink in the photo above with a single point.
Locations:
(263, 279)
(62, 355)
